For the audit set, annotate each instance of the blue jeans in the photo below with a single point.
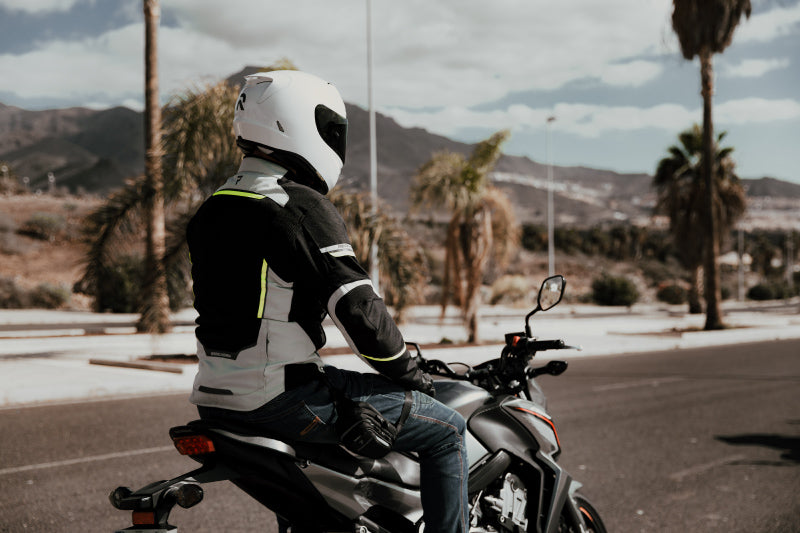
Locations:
(433, 430)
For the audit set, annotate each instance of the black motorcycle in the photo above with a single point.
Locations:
(515, 484)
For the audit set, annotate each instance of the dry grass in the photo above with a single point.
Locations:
(30, 261)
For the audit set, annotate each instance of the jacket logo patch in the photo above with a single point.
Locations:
(223, 355)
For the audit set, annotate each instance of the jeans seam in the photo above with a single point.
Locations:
(437, 421)
(460, 459)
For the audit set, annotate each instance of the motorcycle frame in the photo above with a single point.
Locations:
(506, 432)
(502, 435)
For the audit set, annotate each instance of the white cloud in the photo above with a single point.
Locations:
(592, 121)
(38, 6)
(426, 54)
(768, 26)
(109, 65)
(585, 120)
(109, 70)
(756, 110)
(437, 53)
(754, 68)
(633, 74)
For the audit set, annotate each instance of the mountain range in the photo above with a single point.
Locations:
(94, 151)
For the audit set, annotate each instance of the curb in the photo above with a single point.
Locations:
(160, 367)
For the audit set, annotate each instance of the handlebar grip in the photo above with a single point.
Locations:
(555, 344)
(530, 346)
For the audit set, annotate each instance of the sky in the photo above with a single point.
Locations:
(611, 72)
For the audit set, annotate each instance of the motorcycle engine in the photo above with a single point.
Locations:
(502, 507)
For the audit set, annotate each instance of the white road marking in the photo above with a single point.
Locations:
(76, 401)
(699, 469)
(91, 459)
(634, 384)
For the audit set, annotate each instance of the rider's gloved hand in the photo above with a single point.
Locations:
(427, 386)
(418, 381)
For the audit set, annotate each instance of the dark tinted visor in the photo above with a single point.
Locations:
(332, 127)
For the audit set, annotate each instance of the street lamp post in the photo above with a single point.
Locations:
(740, 278)
(373, 153)
(551, 262)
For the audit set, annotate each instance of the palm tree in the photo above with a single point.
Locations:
(154, 302)
(682, 196)
(481, 223)
(704, 28)
(200, 153)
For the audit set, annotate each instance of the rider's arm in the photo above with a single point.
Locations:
(346, 292)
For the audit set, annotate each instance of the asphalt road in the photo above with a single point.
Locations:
(682, 441)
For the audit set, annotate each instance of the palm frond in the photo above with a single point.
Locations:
(198, 140)
(707, 24)
(120, 214)
(437, 182)
(506, 232)
(681, 194)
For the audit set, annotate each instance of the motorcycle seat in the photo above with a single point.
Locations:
(396, 467)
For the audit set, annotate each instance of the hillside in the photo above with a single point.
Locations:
(95, 151)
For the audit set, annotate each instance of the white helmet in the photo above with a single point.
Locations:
(296, 118)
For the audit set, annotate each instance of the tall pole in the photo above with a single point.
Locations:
(155, 300)
(373, 155)
(740, 293)
(790, 260)
(551, 260)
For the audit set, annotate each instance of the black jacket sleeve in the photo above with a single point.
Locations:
(345, 290)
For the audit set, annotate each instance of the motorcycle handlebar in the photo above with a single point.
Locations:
(531, 345)
(522, 346)
(436, 366)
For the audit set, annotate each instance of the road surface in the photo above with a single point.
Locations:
(680, 441)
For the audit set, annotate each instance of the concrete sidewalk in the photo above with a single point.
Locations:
(62, 356)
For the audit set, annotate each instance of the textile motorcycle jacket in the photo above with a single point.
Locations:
(270, 258)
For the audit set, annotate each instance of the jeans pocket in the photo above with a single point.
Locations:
(307, 423)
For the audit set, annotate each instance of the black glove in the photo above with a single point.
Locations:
(419, 381)
(427, 386)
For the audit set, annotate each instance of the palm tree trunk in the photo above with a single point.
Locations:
(155, 301)
(476, 255)
(695, 307)
(712, 288)
(452, 285)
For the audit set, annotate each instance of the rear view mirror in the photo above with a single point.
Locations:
(551, 292)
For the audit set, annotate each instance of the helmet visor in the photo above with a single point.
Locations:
(332, 127)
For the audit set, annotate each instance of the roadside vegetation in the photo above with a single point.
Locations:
(644, 255)
(479, 254)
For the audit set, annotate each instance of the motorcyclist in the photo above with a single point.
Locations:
(270, 259)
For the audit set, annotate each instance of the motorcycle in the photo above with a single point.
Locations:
(515, 484)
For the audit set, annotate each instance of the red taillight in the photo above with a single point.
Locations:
(144, 518)
(193, 445)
